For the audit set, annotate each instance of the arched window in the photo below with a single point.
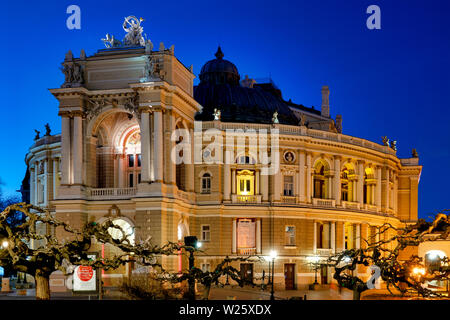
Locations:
(206, 183)
(133, 160)
(319, 182)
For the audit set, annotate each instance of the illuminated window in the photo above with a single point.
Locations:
(288, 185)
(290, 235)
(206, 233)
(245, 182)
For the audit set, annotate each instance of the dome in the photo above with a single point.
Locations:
(219, 71)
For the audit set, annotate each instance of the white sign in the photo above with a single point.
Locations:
(85, 278)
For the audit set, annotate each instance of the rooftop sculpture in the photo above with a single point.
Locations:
(134, 34)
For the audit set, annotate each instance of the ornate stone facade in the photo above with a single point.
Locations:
(113, 159)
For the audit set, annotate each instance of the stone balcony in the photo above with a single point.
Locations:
(111, 193)
(331, 203)
(237, 198)
(324, 252)
(370, 207)
(289, 199)
(351, 205)
(247, 251)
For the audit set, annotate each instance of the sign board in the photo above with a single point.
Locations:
(85, 278)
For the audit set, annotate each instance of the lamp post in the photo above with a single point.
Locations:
(314, 260)
(191, 241)
(273, 256)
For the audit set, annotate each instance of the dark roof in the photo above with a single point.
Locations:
(241, 104)
(219, 88)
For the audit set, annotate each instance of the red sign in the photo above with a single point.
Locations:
(85, 273)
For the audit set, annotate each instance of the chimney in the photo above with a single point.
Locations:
(325, 102)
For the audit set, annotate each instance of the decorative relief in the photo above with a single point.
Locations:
(94, 106)
(289, 157)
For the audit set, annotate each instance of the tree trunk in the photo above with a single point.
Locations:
(356, 294)
(206, 290)
(42, 280)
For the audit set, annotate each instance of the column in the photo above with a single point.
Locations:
(315, 238)
(308, 178)
(386, 190)
(233, 245)
(360, 184)
(343, 235)
(301, 177)
(277, 186)
(77, 150)
(190, 166)
(258, 236)
(358, 236)
(257, 179)
(55, 177)
(354, 191)
(337, 180)
(233, 181)
(36, 183)
(329, 187)
(378, 189)
(66, 176)
(333, 237)
(265, 187)
(32, 185)
(372, 189)
(158, 146)
(395, 195)
(145, 150)
(120, 170)
(226, 181)
(326, 236)
(45, 182)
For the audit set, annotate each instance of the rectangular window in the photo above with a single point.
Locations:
(131, 180)
(288, 185)
(290, 235)
(139, 178)
(131, 160)
(138, 160)
(206, 232)
(205, 267)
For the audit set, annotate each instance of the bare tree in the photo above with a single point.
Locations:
(27, 250)
(384, 254)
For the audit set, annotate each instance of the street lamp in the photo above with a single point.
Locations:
(314, 261)
(273, 256)
(191, 241)
(5, 244)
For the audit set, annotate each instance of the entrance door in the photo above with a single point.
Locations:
(289, 276)
(247, 272)
(323, 274)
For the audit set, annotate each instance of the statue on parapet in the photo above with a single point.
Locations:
(37, 135)
(47, 129)
(132, 26)
(111, 42)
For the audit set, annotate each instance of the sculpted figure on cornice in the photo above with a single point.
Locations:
(73, 74)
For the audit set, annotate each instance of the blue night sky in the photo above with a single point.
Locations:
(393, 81)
